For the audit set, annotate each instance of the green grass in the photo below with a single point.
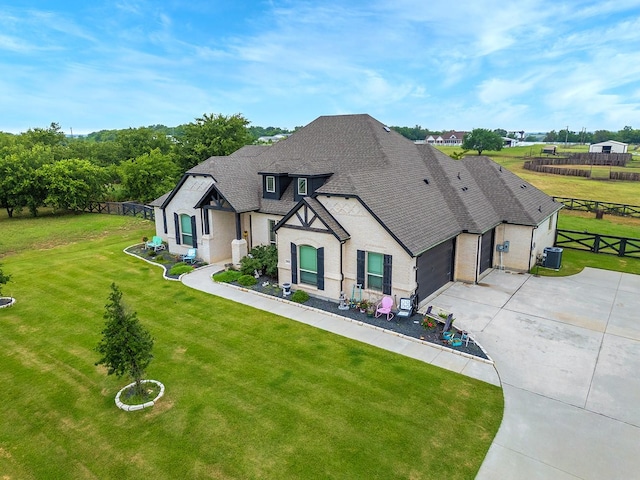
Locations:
(561, 185)
(248, 394)
(574, 261)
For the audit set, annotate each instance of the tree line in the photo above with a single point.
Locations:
(627, 135)
(43, 167)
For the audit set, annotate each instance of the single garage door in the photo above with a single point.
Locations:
(486, 250)
(435, 269)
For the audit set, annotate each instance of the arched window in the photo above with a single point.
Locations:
(185, 230)
(308, 265)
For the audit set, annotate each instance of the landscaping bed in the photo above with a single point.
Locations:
(410, 326)
(173, 264)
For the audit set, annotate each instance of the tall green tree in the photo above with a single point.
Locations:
(72, 184)
(211, 135)
(51, 136)
(148, 176)
(19, 185)
(138, 141)
(126, 345)
(481, 139)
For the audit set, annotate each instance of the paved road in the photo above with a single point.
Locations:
(566, 352)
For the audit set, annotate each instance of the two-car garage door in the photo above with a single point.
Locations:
(435, 269)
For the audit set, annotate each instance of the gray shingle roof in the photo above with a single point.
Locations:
(387, 173)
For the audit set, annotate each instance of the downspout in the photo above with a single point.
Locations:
(531, 247)
(341, 266)
(250, 233)
(478, 256)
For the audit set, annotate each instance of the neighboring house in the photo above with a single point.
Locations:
(449, 139)
(509, 142)
(273, 138)
(610, 146)
(348, 201)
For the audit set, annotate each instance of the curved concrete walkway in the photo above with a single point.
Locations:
(567, 351)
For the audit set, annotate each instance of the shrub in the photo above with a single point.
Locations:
(3, 279)
(227, 276)
(180, 268)
(247, 280)
(262, 258)
(299, 296)
(249, 264)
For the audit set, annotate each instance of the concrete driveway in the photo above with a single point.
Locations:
(567, 351)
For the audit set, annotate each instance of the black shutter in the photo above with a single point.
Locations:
(386, 276)
(294, 263)
(320, 273)
(194, 230)
(360, 268)
(176, 221)
(164, 220)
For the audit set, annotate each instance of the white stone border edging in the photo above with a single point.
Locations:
(10, 304)
(487, 360)
(165, 274)
(140, 406)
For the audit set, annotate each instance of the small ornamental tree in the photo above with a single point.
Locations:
(126, 345)
(3, 279)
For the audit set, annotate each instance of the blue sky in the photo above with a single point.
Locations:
(527, 65)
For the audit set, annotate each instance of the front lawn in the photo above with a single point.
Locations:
(248, 394)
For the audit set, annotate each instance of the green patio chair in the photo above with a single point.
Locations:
(156, 244)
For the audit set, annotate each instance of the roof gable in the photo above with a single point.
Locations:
(309, 214)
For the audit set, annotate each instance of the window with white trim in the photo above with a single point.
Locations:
(270, 183)
(272, 232)
(186, 234)
(308, 265)
(302, 186)
(375, 270)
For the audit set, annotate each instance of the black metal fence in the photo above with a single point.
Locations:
(598, 243)
(596, 205)
(122, 208)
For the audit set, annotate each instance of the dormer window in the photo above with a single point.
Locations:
(302, 186)
(270, 184)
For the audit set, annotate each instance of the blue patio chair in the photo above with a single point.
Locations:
(190, 256)
(155, 243)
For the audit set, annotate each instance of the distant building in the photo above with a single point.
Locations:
(610, 146)
(273, 138)
(509, 142)
(450, 139)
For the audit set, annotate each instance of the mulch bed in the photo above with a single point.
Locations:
(163, 257)
(410, 326)
(5, 301)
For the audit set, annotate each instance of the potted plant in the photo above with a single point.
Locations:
(363, 305)
(371, 309)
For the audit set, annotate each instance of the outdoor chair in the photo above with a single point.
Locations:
(190, 256)
(447, 326)
(406, 307)
(155, 243)
(384, 308)
(466, 338)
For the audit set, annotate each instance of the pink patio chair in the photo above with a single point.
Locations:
(384, 308)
